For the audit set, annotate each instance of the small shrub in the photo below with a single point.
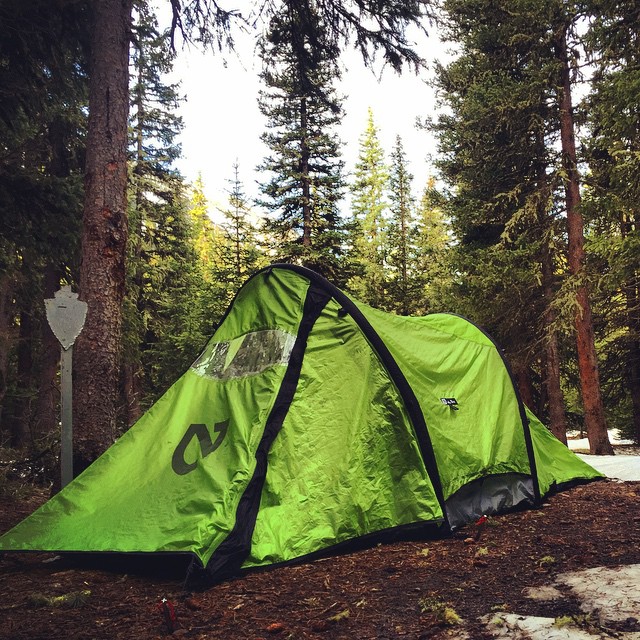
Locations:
(442, 612)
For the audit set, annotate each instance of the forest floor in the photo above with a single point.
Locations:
(408, 590)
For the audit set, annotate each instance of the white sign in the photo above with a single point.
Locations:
(66, 315)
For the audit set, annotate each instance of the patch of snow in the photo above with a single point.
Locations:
(515, 627)
(573, 442)
(620, 467)
(610, 594)
(613, 593)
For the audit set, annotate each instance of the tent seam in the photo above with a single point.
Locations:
(405, 390)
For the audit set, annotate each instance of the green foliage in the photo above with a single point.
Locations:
(304, 172)
(497, 155)
(172, 299)
(399, 246)
(43, 88)
(403, 288)
(547, 561)
(443, 612)
(610, 205)
(369, 205)
(417, 243)
(72, 600)
(239, 254)
(432, 271)
(322, 28)
(184, 300)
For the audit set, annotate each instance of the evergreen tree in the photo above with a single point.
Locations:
(432, 272)
(184, 300)
(321, 28)
(404, 289)
(594, 416)
(182, 308)
(369, 206)
(497, 153)
(207, 236)
(305, 169)
(43, 87)
(240, 254)
(510, 91)
(208, 239)
(611, 201)
(156, 200)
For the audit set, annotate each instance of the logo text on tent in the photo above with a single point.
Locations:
(207, 446)
(450, 402)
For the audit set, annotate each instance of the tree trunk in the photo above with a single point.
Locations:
(594, 417)
(634, 360)
(304, 178)
(132, 392)
(404, 258)
(522, 374)
(104, 234)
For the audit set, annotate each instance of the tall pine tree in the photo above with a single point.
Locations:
(156, 203)
(369, 206)
(564, 27)
(305, 171)
(43, 92)
(498, 154)
(612, 197)
(432, 272)
(240, 255)
(403, 286)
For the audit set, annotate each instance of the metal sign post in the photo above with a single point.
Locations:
(66, 315)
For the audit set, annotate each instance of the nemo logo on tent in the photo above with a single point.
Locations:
(207, 446)
(450, 402)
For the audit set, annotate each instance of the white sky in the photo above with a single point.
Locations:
(223, 123)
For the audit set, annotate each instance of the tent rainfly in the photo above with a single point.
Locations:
(311, 423)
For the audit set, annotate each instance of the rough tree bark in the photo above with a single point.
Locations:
(104, 234)
(522, 375)
(594, 417)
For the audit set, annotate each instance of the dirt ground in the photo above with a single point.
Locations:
(408, 590)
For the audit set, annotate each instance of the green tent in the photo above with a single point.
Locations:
(311, 422)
